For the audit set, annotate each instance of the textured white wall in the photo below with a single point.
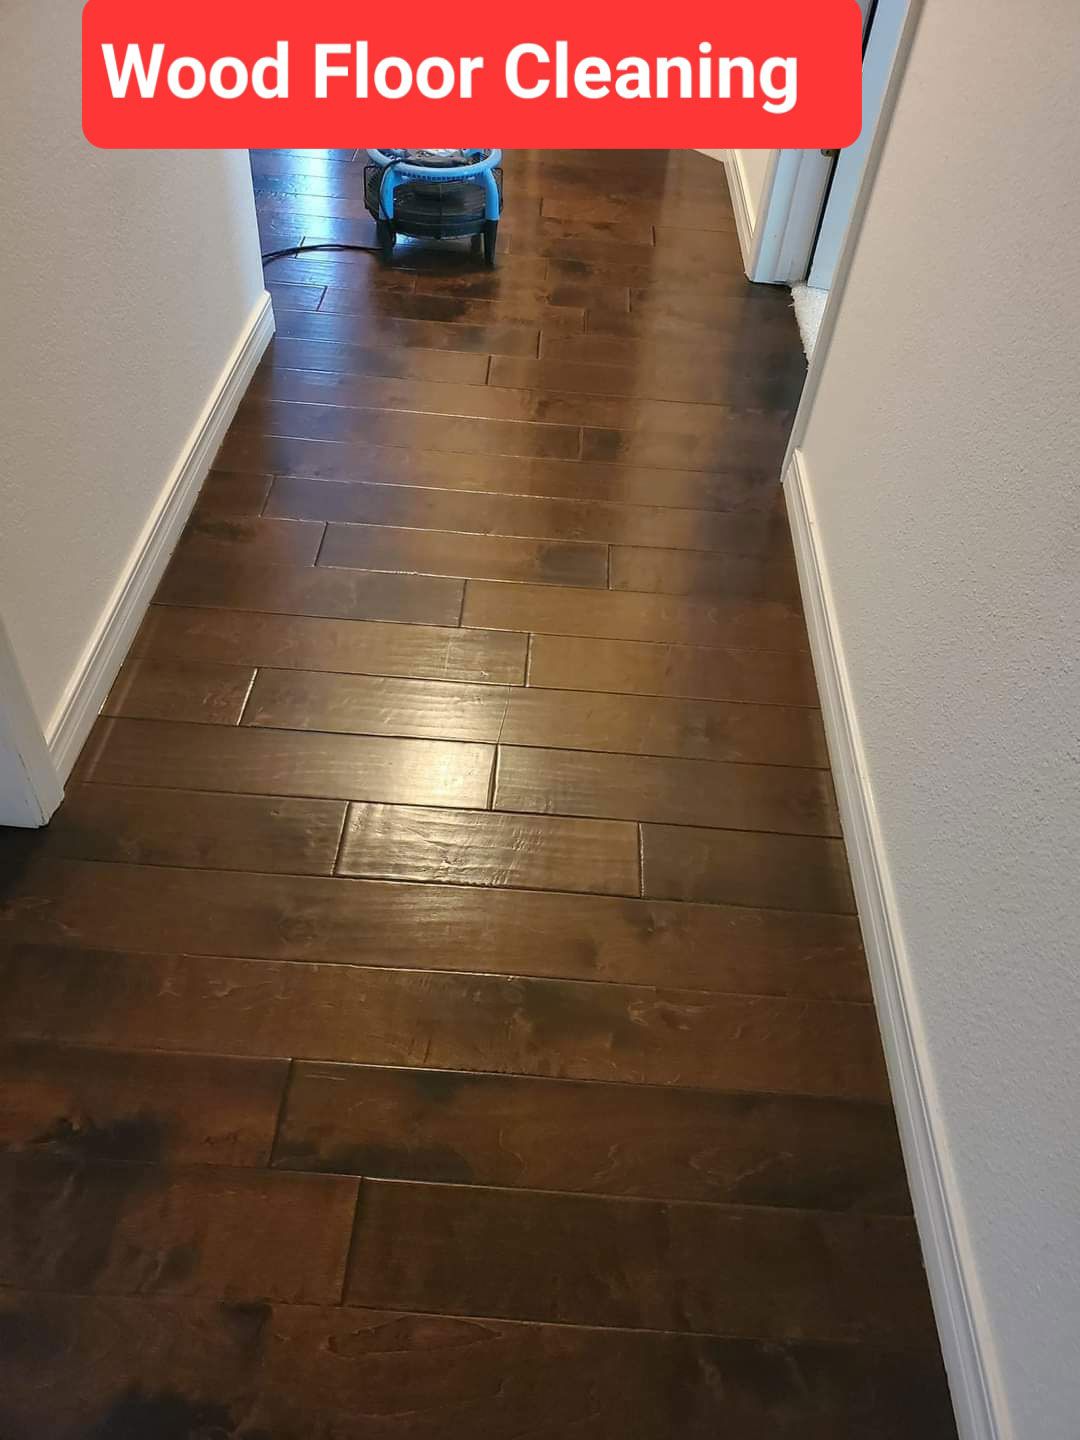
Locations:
(127, 280)
(943, 455)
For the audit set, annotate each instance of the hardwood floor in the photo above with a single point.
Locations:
(438, 1007)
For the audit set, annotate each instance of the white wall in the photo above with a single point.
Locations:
(128, 279)
(942, 452)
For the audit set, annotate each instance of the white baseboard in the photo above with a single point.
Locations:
(105, 652)
(742, 204)
(958, 1307)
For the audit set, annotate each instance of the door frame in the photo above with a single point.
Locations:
(778, 247)
(30, 785)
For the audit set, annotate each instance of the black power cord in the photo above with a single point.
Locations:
(272, 255)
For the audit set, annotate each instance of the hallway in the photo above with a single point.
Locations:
(438, 1008)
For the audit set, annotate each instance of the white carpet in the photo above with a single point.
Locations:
(809, 308)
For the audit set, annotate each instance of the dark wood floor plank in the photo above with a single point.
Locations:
(295, 297)
(317, 210)
(450, 309)
(725, 623)
(703, 1269)
(668, 315)
(120, 1229)
(758, 436)
(558, 404)
(152, 689)
(175, 827)
(444, 1125)
(225, 540)
(338, 267)
(437, 552)
(655, 725)
(490, 474)
(789, 871)
(225, 493)
(342, 1374)
(712, 948)
(147, 1106)
(768, 677)
(442, 365)
(666, 790)
(377, 705)
(394, 331)
(694, 572)
(566, 520)
(734, 383)
(693, 215)
(323, 165)
(503, 285)
(294, 590)
(284, 762)
(301, 642)
(402, 842)
(563, 1029)
(531, 234)
(736, 347)
(394, 427)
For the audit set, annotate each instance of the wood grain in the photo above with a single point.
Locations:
(395, 332)
(703, 947)
(493, 557)
(656, 725)
(301, 642)
(225, 493)
(125, 1229)
(176, 827)
(393, 427)
(158, 1108)
(529, 517)
(563, 1029)
(269, 1368)
(666, 790)
(292, 590)
(276, 762)
(377, 705)
(630, 667)
(725, 623)
(450, 366)
(691, 572)
(224, 539)
(663, 1142)
(747, 386)
(149, 688)
(402, 842)
(791, 871)
(703, 1269)
(733, 488)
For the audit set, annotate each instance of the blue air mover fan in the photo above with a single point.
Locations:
(438, 194)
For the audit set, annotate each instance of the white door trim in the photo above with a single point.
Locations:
(788, 218)
(820, 357)
(30, 785)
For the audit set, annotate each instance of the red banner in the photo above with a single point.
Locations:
(334, 73)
